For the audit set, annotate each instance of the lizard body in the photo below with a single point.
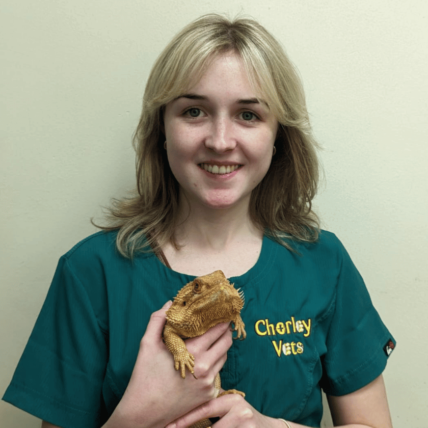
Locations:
(201, 304)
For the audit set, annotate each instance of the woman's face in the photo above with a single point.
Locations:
(219, 136)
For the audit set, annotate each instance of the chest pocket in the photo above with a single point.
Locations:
(277, 366)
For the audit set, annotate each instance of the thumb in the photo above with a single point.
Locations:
(167, 305)
(157, 322)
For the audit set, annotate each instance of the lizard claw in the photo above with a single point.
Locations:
(240, 329)
(183, 360)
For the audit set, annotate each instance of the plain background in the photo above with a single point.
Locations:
(72, 77)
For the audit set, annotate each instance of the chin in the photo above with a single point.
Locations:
(222, 202)
(219, 206)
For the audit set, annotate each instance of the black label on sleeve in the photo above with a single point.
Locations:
(389, 347)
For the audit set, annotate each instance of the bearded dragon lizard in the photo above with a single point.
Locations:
(201, 304)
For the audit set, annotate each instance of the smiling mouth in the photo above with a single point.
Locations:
(221, 170)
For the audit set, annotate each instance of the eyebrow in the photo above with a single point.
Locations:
(245, 101)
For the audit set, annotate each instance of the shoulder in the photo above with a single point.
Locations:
(327, 247)
(99, 247)
(98, 244)
(95, 269)
(87, 257)
(96, 262)
(320, 266)
(330, 246)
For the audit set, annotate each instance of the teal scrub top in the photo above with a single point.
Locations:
(309, 319)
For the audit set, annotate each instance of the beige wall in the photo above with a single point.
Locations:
(72, 76)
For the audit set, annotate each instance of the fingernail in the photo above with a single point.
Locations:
(167, 304)
(171, 426)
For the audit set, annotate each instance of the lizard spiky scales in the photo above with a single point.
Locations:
(201, 304)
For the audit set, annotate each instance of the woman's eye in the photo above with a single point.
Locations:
(194, 112)
(248, 116)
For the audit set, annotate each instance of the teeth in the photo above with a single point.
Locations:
(215, 169)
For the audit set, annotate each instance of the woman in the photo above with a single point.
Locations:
(226, 174)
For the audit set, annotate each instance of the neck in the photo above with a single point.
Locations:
(204, 227)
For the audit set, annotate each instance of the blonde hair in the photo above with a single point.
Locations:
(281, 203)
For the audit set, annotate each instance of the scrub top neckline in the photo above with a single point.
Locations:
(264, 261)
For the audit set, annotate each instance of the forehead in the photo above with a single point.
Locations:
(224, 72)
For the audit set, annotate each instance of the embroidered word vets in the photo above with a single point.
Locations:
(265, 328)
(287, 349)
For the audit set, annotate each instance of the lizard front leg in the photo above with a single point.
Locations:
(182, 357)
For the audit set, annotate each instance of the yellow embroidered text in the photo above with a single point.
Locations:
(264, 327)
(287, 349)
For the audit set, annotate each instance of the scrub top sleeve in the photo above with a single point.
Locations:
(358, 343)
(60, 374)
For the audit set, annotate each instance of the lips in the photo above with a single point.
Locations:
(219, 169)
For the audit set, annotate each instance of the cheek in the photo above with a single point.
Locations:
(262, 150)
(263, 155)
(180, 162)
(181, 142)
(179, 153)
(263, 168)
(174, 163)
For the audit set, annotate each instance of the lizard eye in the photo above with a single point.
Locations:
(184, 303)
(197, 288)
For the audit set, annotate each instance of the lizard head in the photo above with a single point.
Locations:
(203, 303)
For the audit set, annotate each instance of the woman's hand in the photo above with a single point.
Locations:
(234, 411)
(364, 408)
(156, 393)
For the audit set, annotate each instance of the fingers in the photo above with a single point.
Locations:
(210, 361)
(222, 344)
(157, 323)
(205, 341)
(217, 355)
(232, 409)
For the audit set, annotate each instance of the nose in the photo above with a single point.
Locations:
(220, 137)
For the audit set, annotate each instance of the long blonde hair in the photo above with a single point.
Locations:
(281, 203)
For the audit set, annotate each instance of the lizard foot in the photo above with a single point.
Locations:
(239, 327)
(184, 360)
(204, 423)
(232, 391)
